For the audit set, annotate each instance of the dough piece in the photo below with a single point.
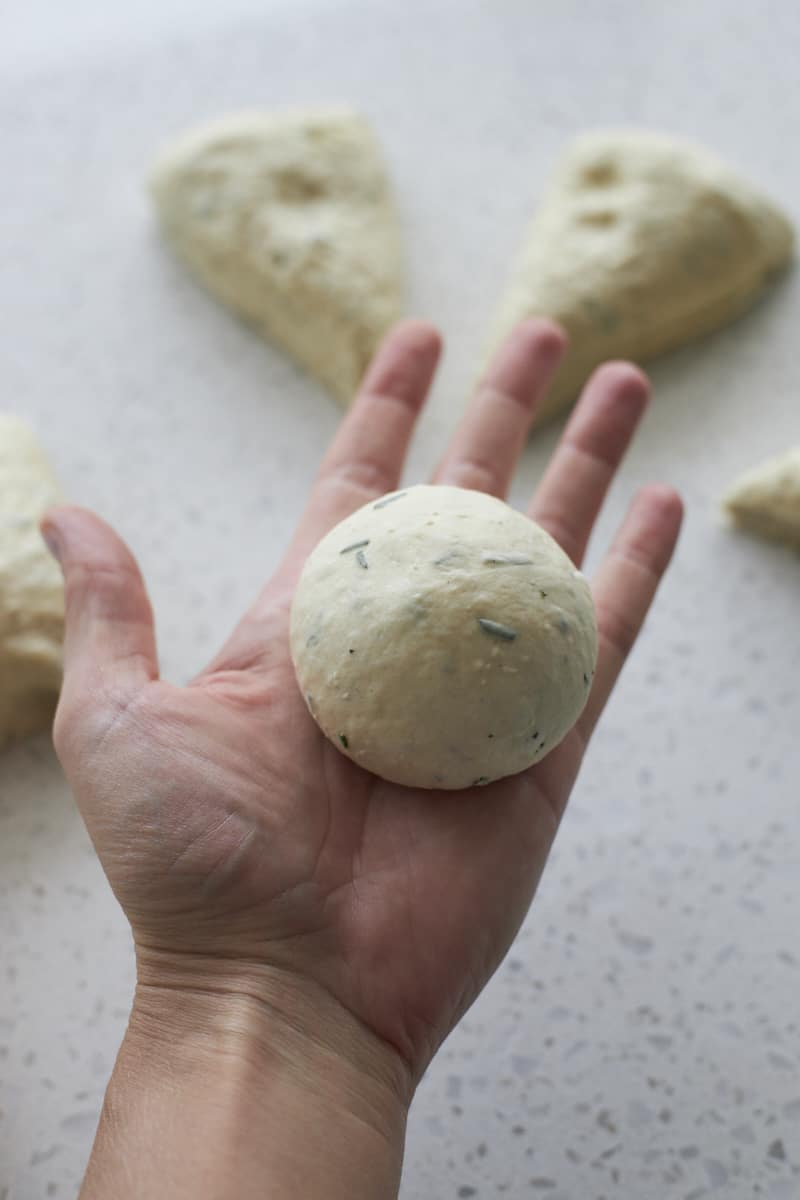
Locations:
(31, 587)
(441, 639)
(641, 243)
(766, 500)
(288, 219)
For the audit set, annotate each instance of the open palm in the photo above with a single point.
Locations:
(241, 843)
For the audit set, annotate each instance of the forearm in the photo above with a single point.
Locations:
(208, 1100)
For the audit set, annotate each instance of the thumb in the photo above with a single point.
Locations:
(109, 639)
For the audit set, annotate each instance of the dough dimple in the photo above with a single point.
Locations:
(766, 499)
(31, 588)
(642, 242)
(460, 646)
(288, 219)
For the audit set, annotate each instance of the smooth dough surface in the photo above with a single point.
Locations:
(642, 242)
(288, 219)
(442, 639)
(31, 588)
(766, 499)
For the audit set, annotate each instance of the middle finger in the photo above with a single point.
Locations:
(488, 442)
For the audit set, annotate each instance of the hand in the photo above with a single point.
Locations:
(250, 856)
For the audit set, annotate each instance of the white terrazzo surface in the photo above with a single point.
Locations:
(642, 1040)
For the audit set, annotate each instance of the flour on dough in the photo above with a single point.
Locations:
(288, 219)
(442, 639)
(766, 500)
(641, 243)
(31, 588)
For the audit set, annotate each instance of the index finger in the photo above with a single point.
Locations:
(366, 457)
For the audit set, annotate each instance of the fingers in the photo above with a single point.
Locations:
(109, 639)
(487, 444)
(568, 499)
(367, 454)
(626, 584)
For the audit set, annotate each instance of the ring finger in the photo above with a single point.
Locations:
(598, 433)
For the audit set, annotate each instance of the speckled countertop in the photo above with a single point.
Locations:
(642, 1039)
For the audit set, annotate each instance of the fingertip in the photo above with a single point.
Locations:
(624, 379)
(405, 362)
(108, 622)
(610, 408)
(415, 336)
(525, 362)
(651, 528)
(663, 499)
(551, 336)
(68, 526)
(49, 529)
(59, 525)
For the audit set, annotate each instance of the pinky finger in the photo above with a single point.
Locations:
(626, 584)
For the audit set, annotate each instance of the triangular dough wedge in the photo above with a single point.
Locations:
(31, 587)
(641, 243)
(766, 500)
(288, 218)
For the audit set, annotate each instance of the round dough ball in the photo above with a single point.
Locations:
(441, 639)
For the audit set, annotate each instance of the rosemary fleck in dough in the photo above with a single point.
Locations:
(766, 499)
(31, 587)
(642, 242)
(288, 219)
(441, 639)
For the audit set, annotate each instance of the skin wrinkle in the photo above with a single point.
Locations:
(559, 529)
(259, 999)
(617, 633)
(482, 476)
(489, 395)
(63, 735)
(226, 864)
(83, 572)
(327, 764)
(367, 476)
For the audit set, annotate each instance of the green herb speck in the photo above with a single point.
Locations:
(343, 740)
(506, 560)
(389, 499)
(495, 629)
(355, 546)
(361, 559)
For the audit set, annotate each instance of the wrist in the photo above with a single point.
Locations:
(277, 1028)
(246, 1082)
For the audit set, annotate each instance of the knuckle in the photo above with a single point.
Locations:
(474, 473)
(86, 716)
(638, 552)
(563, 531)
(99, 578)
(617, 629)
(364, 475)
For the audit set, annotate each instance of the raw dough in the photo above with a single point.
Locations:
(441, 639)
(288, 218)
(766, 500)
(31, 588)
(641, 243)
